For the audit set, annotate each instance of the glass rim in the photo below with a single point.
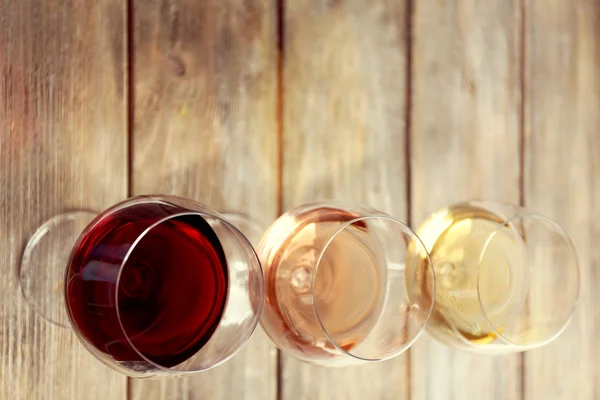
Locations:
(563, 233)
(258, 311)
(413, 236)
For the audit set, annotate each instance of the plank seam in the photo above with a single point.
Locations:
(130, 99)
(280, 32)
(407, 145)
(522, 87)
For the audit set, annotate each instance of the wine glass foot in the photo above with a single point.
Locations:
(45, 258)
(252, 229)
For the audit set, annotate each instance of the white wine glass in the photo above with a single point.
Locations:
(507, 280)
(335, 282)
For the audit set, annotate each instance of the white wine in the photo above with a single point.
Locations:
(478, 262)
(349, 289)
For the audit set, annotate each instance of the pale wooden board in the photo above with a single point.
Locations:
(562, 172)
(465, 145)
(344, 138)
(205, 82)
(63, 145)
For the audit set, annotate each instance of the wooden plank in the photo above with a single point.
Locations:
(63, 145)
(465, 145)
(205, 128)
(561, 177)
(344, 123)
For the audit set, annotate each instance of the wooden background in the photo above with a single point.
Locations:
(261, 105)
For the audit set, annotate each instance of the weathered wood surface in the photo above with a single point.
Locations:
(205, 96)
(406, 106)
(465, 140)
(562, 177)
(63, 143)
(344, 81)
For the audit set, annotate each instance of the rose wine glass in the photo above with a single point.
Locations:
(507, 280)
(336, 284)
(155, 285)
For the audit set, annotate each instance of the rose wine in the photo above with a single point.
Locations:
(168, 297)
(348, 290)
(478, 260)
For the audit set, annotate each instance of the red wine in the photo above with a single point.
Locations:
(172, 289)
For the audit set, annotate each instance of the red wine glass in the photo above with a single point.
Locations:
(155, 285)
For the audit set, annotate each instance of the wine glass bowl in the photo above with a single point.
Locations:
(507, 280)
(159, 285)
(335, 278)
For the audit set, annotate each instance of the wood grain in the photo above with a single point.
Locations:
(344, 138)
(465, 145)
(205, 84)
(562, 147)
(62, 146)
